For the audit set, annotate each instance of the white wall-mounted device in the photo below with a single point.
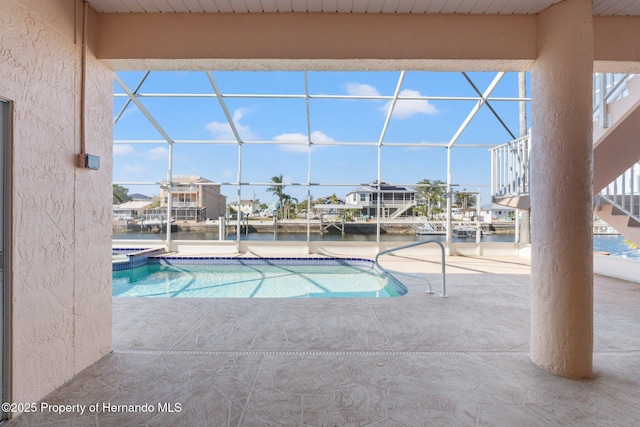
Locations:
(89, 161)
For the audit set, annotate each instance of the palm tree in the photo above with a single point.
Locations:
(278, 190)
(289, 202)
(434, 193)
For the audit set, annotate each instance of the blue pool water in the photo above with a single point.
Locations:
(271, 278)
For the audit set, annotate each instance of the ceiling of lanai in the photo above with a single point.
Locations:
(481, 87)
(479, 7)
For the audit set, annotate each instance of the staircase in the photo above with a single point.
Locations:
(616, 148)
(619, 204)
(615, 157)
(402, 209)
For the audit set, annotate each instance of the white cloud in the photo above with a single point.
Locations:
(407, 108)
(291, 137)
(318, 136)
(301, 140)
(361, 89)
(158, 153)
(222, 130)
(122, 149)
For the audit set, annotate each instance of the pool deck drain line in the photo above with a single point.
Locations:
(319, 352)
(352, 352)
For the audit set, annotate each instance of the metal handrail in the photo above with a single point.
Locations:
(624, 192)
(607, 87)
(397, 248)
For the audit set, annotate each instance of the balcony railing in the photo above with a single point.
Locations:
(184, 189)
(510, 161)
(624, 192)
(606, 89)
(510, 168)
(176, 204)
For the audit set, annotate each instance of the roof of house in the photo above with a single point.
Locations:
(245, 202)
(187, 179)
(373, 187)
(137, 197)
(495, 206)
(133, 205)
(327, 200)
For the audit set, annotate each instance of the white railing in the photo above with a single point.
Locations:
(402, 209)
(510, 168)
(176, 204)
(624, 192)
(510, 161)
(606, 89)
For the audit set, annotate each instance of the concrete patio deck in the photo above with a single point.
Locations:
(416, 360)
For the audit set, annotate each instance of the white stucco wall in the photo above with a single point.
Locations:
(61, 244)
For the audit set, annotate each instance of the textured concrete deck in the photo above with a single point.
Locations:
(416, 360)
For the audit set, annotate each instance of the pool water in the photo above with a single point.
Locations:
(616, 246)
(262, 280)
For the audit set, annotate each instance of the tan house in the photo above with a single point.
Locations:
(193, 199)
(131, 209)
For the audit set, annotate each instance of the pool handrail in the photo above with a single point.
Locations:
(397, 248)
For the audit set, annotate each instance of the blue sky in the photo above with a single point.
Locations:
(420, 122)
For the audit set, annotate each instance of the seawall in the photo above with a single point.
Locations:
(266, 226)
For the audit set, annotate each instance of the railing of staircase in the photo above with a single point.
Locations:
(510, 161)
(410, 245)
(510, 168)
(607, 87)
(624, 192)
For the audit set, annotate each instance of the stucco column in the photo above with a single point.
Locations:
(561, 191)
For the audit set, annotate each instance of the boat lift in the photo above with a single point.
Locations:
(336, 221)
(151, 221)
(472, 229)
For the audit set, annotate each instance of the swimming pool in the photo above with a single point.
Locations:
(182, 277)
